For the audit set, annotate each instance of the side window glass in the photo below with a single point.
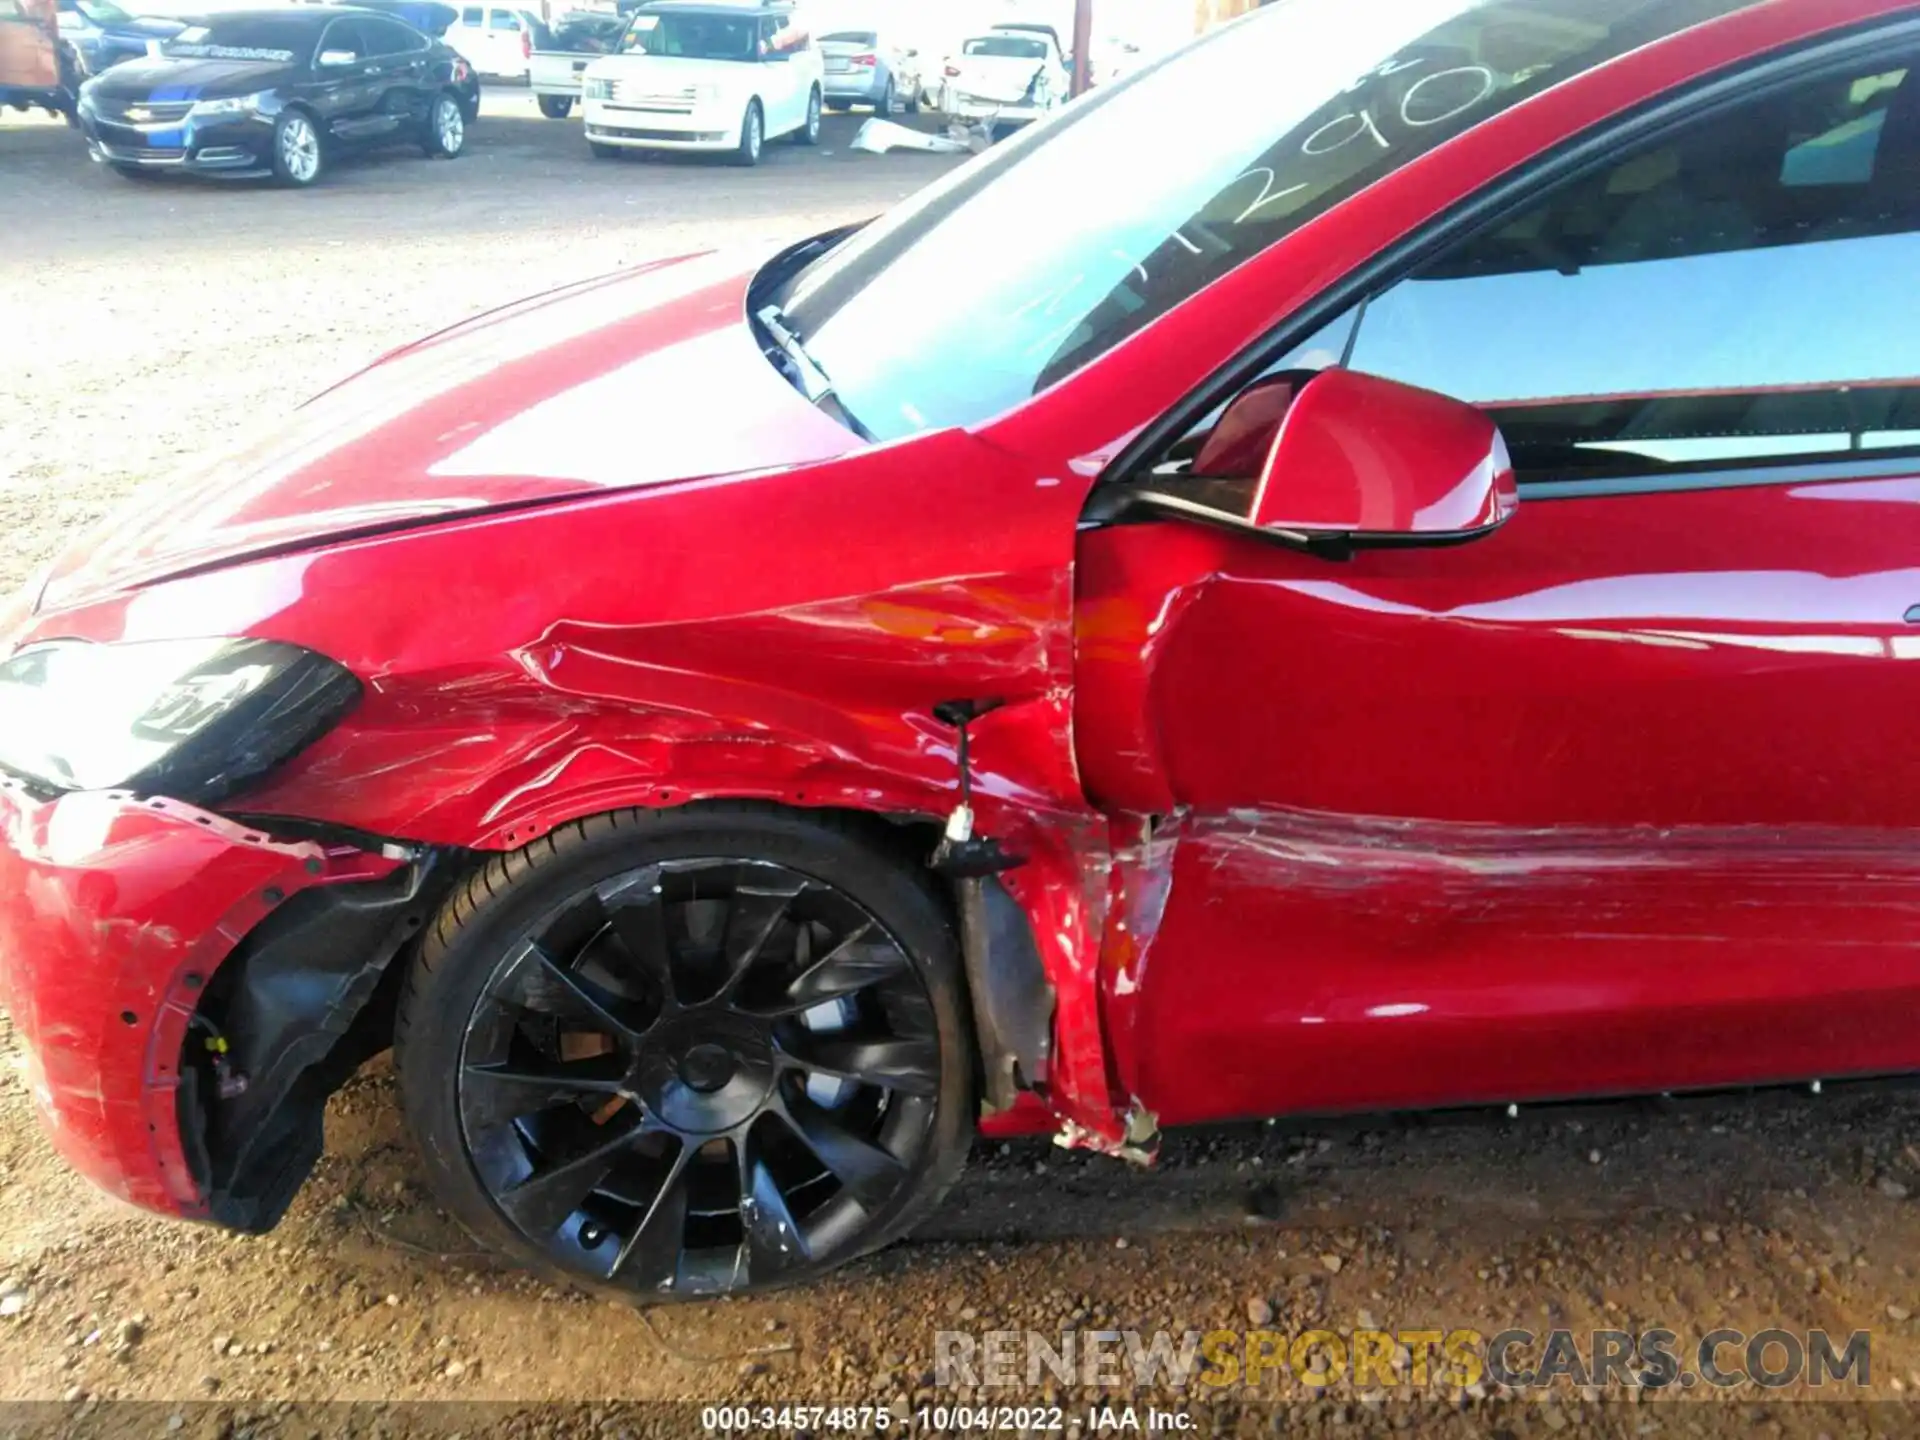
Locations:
(1742, 293)
(504, 20)
(473, 15)
(345, 35)
(388, 39)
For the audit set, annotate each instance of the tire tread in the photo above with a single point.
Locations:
(497, 877)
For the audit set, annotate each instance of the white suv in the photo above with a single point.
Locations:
(705, 75)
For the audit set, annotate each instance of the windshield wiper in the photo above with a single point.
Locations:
(789, 351)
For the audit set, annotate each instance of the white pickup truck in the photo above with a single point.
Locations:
(554, 73)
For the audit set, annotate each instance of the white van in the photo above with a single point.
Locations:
(705, 75)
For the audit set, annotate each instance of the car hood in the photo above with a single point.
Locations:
(146, 27)
(162, 77)
(641, 378)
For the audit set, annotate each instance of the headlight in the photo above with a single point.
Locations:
(191, 719)
(232, 105)
(596, 89)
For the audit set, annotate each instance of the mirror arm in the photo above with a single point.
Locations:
(1172, 507)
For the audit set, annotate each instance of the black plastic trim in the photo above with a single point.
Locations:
(303, 1002)
(1655, 482)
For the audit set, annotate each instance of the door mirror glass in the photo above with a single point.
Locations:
(1360, 456)
(331, 58)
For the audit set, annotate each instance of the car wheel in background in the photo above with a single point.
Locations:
(809, 133)
(665, 1054)
(753, 135)
(839, 107)
(913, 100)
(298, 157)
(556, 107)
(884, 105)
(446, 133)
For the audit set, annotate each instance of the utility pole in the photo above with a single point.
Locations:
(1082, 45)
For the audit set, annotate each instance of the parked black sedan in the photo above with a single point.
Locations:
(256, 92)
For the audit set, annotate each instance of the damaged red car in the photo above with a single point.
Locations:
(1396, 589)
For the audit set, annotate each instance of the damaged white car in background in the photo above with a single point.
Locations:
(1012, 73)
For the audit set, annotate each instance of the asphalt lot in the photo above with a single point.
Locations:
(520, 171)
(146, 322)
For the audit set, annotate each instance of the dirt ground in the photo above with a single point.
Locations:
(145, 322)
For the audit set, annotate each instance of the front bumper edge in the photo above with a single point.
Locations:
(115, 914)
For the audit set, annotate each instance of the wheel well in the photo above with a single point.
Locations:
(311, 995)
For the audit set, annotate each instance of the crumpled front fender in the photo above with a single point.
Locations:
(114, 915)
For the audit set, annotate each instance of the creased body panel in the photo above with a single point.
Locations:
(1621, 797)
(1416, 963)
(782, 636)
(114, 915)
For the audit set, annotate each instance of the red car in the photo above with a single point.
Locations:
(1404, 593)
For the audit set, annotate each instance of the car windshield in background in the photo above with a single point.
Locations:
(280, 39)
(692, 37)
(1121, 215)
(1012, 47)
(101, 13)
(594, 34)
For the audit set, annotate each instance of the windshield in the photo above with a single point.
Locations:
(1050, 249)
(277, 38)
(850, 37)
(102, 13)
(693, 37)
(1010, 46)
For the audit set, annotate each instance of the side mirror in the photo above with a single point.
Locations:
(1360, 457)
(1239, 444)
(331, 58)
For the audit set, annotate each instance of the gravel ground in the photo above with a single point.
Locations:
(150, 321)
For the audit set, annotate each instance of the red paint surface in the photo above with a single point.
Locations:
(1356, 453)
(1586, 804)
(115, 913)
(1608, 800)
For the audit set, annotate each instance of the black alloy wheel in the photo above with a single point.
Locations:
(698, 1075)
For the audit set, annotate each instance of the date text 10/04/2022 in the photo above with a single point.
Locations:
(943, 1419)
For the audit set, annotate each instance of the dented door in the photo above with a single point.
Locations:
(1617, 799)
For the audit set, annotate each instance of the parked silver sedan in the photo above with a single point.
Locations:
(863, 68)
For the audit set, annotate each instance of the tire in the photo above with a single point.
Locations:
(839, 107)
(603, 152)
(913, 101)
(536, 969)
(809, 131)
(446, 127)
(299, 157)
(883, 107)
(556, 107)
(753, 135)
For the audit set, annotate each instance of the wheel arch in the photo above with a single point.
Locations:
(311, 993)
